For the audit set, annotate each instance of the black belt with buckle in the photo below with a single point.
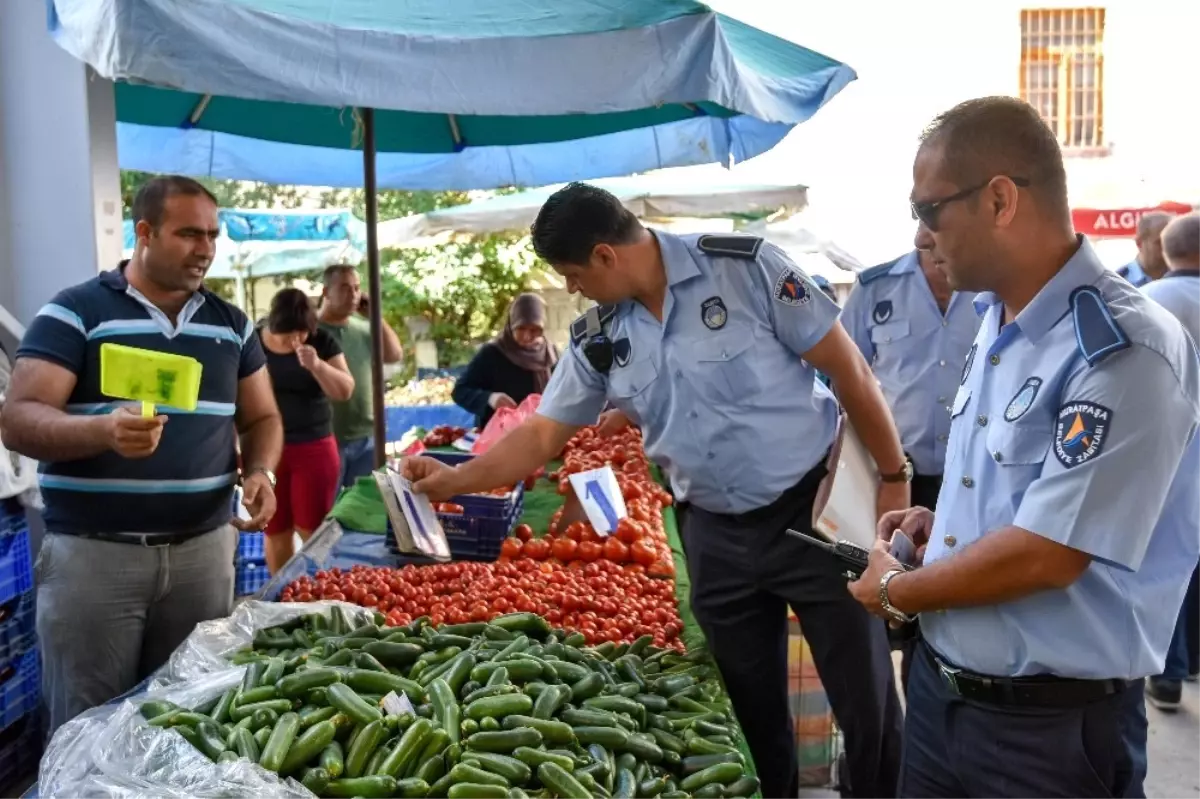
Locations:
(141, 539)
(1040, 691)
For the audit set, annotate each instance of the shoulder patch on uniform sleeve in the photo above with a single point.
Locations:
(1096, 331)
(875, 272)
(579, 328)
(730, 246)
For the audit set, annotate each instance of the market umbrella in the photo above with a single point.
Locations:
(473, 93)
(655, 196)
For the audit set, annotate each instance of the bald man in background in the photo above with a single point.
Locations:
(1149, 264)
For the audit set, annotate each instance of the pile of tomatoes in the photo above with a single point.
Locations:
(443, 435)
(639, 538)
(601, 600)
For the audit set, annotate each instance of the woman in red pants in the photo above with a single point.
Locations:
(307, 370)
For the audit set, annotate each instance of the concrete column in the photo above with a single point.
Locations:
(60, 202)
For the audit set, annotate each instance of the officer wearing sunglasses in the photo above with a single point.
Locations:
(1073, 433)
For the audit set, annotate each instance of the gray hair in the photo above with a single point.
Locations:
(1152, 224)
(1181, 242)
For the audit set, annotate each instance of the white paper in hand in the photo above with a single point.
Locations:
(423, 523)
(600, 497)
(845, 504)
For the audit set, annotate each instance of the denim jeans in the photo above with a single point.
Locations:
(358, 459)
(1183, 643)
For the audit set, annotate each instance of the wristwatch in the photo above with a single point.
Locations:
(888, 608)
(263, 470)
(905, 475)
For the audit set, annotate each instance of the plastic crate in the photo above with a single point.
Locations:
(19, 687)
(250, 576)
(481, 506)
(20, 750)
(16, 566)
(251, 547)
(18, 631)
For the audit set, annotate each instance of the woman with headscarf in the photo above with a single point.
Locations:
(511, 366)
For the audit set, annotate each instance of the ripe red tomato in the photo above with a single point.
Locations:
(616, 550)
(511, 547)
(564, 549)
(628, 530)
(643, 553)
(590, 551)
(537, 549)
(523, 532)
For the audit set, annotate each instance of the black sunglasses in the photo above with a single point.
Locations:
(927, 212)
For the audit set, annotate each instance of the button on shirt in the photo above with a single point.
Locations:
(915, 351)
(726, 405)
(1089, 456)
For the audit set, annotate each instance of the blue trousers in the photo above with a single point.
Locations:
(955, 747)
(1181, 659)
(358, 459)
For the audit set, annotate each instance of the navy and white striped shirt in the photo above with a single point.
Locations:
(187, 484)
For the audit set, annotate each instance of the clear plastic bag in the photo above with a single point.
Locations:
(110, 751)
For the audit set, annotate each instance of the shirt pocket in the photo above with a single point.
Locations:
(958, 436)
(724, 368)
(890, 333)
(1015, 446)
(630, 389)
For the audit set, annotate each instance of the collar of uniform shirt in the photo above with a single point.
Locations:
(1053, 302)
(906, 263)
(677, 259)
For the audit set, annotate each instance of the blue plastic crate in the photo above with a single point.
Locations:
(16, 566)
(477, 505)
(20, 750)
(18, 631)
(250, 576)
(19, 687)
(251, 547)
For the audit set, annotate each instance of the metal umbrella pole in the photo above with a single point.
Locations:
(374, 285)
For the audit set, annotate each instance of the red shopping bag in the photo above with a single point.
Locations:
(504, 420)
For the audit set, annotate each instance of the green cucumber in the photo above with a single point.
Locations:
(344, 698)
(315, 780)
(273, 672)
(280, 742)
(261, 736)
(742, 787)
(608, 737)
(212, 742)
(300, 683)
(560, 782)
(394, 655)
(315, 716)
(505, 740)
(491, 690)
(550, 700)
(470, 774)
(225, 704)
(262, 693)
(240, 712)
(587, 688)
(408, 749)
(553, 732)
(157, 707)
(333, 760)
(376, 682)
(505, 766)
(245, 745)
(586, 717)
(624, 786)
(363, 747)
(469, 790)
(308, 746)
(374, 787)
(696, 763)
(499, 706)
(536, 757)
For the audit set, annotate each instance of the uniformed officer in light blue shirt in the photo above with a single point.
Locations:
(915, 331)
(711, 344)
(1047, 567)
(1179, 292)
(1149, 265)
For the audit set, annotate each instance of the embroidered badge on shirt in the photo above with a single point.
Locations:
(1080, 432)
(790, 289)
(622, 351)
(967, 366)
(882, 312)
(714, 314)
(1020, 403)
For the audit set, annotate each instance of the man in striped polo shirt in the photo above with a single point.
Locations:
(139, 545)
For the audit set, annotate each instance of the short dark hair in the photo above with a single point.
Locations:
(151, 200)
(334, 270)
(291, 312)
(575, 219)
(990, 136)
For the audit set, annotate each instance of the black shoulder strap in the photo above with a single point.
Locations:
(1097, 333)
(730, 246)
(591, 323)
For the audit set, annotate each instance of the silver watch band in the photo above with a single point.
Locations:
(888, 608)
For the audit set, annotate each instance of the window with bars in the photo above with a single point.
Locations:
(1062, 72)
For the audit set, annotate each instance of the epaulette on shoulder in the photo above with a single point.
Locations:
(602, 314)
(1097, 332)
(876, 272)
(730, 246)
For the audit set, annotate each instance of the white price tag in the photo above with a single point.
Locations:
(466, 442)
(423, 523)
(397, 704)
(600, 497)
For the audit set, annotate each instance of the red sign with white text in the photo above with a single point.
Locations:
(1118, 222)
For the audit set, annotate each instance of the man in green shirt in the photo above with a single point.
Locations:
(342, 317)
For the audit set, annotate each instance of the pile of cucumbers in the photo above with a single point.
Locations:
(507, 708)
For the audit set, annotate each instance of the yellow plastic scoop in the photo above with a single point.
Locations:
(149, 377)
